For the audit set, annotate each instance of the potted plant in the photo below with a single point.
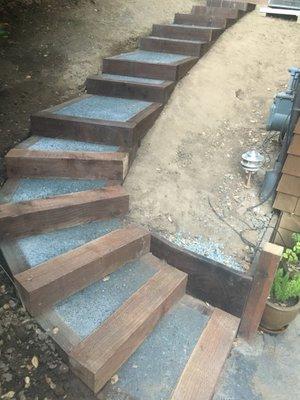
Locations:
(283, 304)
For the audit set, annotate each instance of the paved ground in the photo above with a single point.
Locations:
(268, 369)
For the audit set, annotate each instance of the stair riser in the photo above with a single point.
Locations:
(189, 49)
(159, 94)
(201, 20)
(57, 216)
(121, 135)
(104, 263)
(217, 12)
(95, 380)
(147, 70)
(230, 4)
(184, 33)
(22, 167)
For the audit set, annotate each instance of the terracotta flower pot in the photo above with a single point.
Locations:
(276, 317)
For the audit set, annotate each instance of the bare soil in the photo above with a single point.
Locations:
(55, 44)
(188, 168)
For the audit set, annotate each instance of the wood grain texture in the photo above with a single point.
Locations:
(100, 355)
(70, 272)
(200, 376)
(290, 222)
(295, 146)
(27, 218)
(207, 280)
(260, 289)
(85, 165)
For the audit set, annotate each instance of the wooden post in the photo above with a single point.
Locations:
(260, 289)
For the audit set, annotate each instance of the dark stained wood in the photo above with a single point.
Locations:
(260, 289)
(218, 12)
(202, 20)
(46, 123)
(60, 277)
(171, 72)
(66, 164)
(239, 5)
(204, 34)
(160, 93)
(27, 218)
(202, 371)
(100, 355)
(175, 46)
(208, 280)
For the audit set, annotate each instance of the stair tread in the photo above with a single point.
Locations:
(103, 108)
(57, 144)
(103, 298)
(37, 249)
(71, 272)
(177, 40)
(27, 189)
(153, 370)
(151, 57)
(133, 79)
(207, 360)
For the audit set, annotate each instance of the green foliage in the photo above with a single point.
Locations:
(285, 287)
(290, 256)
(296, 237)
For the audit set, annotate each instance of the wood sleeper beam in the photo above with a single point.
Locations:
(58, 278)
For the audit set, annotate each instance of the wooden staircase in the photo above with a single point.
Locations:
(89, 278)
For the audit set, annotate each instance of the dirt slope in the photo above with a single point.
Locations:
(193, 152)
(55, 45)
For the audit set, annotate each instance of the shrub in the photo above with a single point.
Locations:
(285, 287)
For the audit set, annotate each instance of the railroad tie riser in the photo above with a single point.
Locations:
(60, 277)
(202, 20)
(24, 163)
(189, 48)
(98, 357)
(42, 215)
(172, 72)
(130, 90)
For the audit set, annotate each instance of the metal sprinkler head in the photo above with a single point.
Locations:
(251, 162)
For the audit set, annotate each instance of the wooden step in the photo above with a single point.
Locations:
(100, 355)
(232, 13)
(201, 373)
(203, 20)
(29, 217)
(60, 277)
(188, 47)
(100, 119)
(66, 164)
(130, 87)
(186, 32)
(240, 5)
(148, 64)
